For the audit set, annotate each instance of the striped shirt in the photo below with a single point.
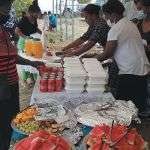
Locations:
(8, 58)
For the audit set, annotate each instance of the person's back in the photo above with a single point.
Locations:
(53, 21)
(130, 55)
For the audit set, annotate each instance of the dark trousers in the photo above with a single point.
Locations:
(8, 109)
(133, 87)
(113, 77)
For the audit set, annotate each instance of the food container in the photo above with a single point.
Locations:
(74, 86)
(96, 82)
(95, 90)
(74, 91)
(96, 86)
(71, 81)
(74, 79)
(70, 65)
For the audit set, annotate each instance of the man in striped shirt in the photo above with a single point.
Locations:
(9, 90)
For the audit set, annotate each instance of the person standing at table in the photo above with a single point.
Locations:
(9, 89)
(27, 26)
(144, 26)
(96, 33)
(124, 43)
(144, 29)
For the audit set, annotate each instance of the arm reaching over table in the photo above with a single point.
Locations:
(108, 52)
(34, 64)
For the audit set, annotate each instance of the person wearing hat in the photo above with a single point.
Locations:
(9, 89)
(96, 33)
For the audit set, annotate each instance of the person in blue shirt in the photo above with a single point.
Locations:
(52, 20)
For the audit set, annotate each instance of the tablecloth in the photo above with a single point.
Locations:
(64, 97)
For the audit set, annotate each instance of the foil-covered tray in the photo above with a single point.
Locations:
(96, 113)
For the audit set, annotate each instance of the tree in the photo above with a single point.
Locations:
(21, 5)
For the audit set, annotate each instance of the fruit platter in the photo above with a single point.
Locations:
(118, 137)
(42, 140)
(26, 122)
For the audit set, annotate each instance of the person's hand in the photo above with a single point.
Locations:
(37, 64)
(64, 49)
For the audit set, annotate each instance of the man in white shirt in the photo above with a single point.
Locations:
(124, 44)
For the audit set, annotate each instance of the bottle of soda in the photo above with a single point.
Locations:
(59, 84)
(51, 84)
(44, 84)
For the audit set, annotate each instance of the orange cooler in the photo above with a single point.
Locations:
(37, 49)
(28, 47)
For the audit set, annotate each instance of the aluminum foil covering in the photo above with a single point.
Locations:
(95, 113)
(48, 111)
(54, 111)
(74, 135)
(68, 120)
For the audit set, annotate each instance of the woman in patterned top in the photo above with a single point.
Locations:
(9, 90)
(96, 33)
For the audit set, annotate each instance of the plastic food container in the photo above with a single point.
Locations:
(74, 91)
(74, 79)
(74, 86)
(76, 65)
(96, 86)
(96, 82)
(95, 90)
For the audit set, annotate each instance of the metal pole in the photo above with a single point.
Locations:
(66, 21)
(60, 16)
(56, 12)
(53, 7)
(73, 19)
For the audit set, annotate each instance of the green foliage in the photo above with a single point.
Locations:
(21, 5)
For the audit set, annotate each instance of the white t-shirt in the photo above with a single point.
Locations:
(130, 54)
